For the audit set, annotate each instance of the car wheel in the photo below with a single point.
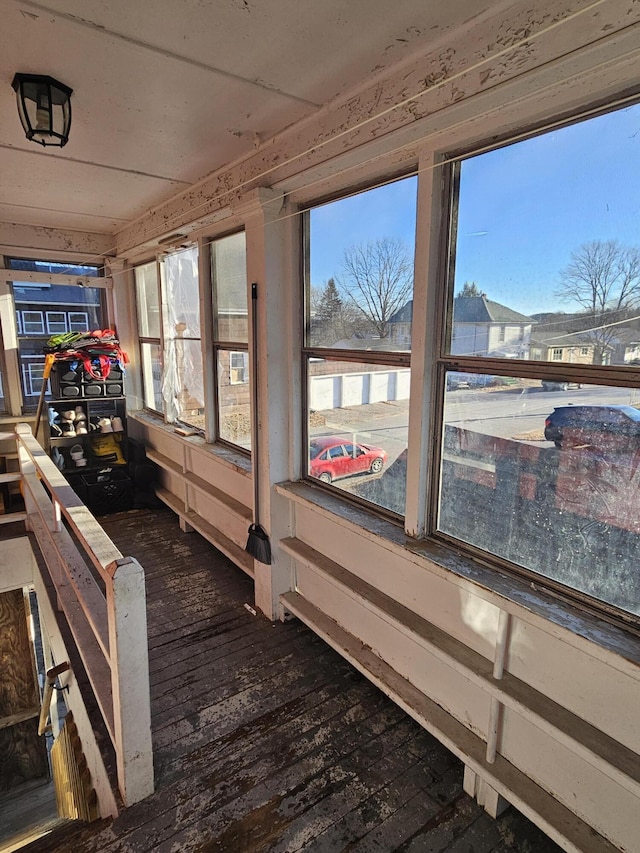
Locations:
(558, 444)
(376, 466)
(325, 477)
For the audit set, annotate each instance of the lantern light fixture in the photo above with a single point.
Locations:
(44, 108)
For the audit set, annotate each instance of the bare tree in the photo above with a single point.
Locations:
(378, 279)
(603, 277)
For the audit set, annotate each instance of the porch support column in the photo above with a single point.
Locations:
(271, 264)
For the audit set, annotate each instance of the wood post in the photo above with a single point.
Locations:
(127, 616)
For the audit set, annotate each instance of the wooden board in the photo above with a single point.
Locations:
(22, 752)
(267, 740)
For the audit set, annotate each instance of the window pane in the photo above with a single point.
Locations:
(56, 322)
(238, 367)
(360, 287)
(32, 323)
(183, 387)
(147, 298)
(546, 476)
(547, 257)
(152, 375)
(229, 277)
(182, 294)
(44, 310)
(53, 267)
(234, 409)
(78, 321)
(366, 408)
(31, 372)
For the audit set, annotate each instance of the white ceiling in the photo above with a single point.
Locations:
(166, 91)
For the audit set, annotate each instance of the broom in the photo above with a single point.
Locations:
(48, 363)
(258, 544)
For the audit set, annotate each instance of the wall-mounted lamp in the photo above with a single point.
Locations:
(44, 108)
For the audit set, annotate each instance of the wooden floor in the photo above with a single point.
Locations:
(266, 740)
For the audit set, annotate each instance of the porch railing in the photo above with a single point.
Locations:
(105, 609)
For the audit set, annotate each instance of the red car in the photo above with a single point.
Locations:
(331, 457)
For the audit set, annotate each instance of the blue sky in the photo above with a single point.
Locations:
(523, 210)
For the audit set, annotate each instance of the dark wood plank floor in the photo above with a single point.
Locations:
(266, 740)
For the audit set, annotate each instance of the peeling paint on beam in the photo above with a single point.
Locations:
(32, 240)
(495, 52)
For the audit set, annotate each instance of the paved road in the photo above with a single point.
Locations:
(511, 413)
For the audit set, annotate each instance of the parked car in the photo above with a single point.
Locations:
(603, 427)
(331, 457)
(454, 383)
(559, 386)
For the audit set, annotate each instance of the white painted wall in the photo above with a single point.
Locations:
(337, 390)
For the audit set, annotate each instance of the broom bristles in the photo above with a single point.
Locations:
(258, 544)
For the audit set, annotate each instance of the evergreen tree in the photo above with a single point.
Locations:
(329, 308)
(470, 288)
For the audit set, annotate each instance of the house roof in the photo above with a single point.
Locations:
(471, 309)
(404, 314)
(479, 309)
(561, 338)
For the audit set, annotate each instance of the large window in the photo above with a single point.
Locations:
(183, 381)
(540, 444)
(358, 315)
(44, 309)
(149, 334)
(230, 336)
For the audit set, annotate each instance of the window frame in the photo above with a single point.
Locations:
(64, 322)
(395, 360)
(221, 345)
(83, 326)
(25, 271)
(42, 331)
(149, 339)
(619, 375)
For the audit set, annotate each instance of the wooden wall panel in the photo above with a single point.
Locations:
(22, 752)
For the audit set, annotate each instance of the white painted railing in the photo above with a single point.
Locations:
(105, 609)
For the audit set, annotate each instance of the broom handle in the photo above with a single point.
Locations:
(48, 362)
(254, 414)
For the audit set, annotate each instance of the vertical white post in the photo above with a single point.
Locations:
(272, 257)
(57, 516)
(495, 711)
(474, 784)
(12, 385)
(425, 340)
(26, 467)
(127, 615)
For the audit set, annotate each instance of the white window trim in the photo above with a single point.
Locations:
(82, 326)
(50, 323)
(25, 322)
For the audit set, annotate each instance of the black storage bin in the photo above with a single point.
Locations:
(65, 382)
(70, 380)
(107, 491)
